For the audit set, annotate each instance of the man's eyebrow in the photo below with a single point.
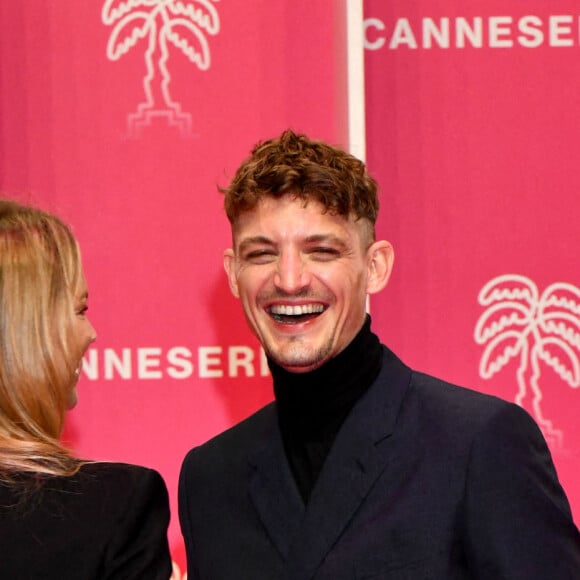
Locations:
(326, 238)
(253, 240)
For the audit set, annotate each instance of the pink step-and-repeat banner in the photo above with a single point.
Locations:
(473, 120)
(124, 116)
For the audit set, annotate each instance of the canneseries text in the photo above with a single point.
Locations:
(176, 362)
(475, 32)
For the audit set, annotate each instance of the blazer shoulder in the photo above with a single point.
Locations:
(228, 452)
(108, 473)
(442, 394)
(107, 483)
(120, 490)
(241, 436)
(430, 400)
(460, 414)
(109, 520)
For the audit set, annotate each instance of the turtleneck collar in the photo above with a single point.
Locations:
(312, 406)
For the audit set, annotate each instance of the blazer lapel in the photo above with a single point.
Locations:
(274, 491)
(351, 468)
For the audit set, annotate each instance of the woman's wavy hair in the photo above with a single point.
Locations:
(310, 170)
(40, 269)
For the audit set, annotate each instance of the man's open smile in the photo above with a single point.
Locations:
(295, 313)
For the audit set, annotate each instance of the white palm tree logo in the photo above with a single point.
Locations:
(181, 23)
(521, 324)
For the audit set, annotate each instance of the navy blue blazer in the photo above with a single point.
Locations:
(425, 480)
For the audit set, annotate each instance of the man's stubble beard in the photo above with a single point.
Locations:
(296, 356)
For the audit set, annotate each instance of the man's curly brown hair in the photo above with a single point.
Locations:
(295, 165)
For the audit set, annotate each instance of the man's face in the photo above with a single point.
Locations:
(302, 276)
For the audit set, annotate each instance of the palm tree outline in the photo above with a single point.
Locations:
(182, 23)
(519, 322)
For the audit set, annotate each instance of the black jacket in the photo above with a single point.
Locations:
(425, 481)
(107, 522)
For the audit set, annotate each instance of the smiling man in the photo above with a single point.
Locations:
(302, 274)
(361, 467)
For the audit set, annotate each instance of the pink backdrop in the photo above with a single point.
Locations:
(125, 131)
(130, 151)
(473, 137)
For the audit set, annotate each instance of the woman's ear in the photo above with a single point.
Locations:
(230, 268)
(380, 259)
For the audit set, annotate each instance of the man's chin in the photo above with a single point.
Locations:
(303, 368)
(299, 362)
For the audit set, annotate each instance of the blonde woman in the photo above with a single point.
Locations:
(60, 517)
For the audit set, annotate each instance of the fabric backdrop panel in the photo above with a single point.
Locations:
(473, 112)
(125, 127)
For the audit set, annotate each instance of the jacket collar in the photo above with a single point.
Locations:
(305, 534)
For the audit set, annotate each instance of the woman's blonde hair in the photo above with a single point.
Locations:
(40, 269)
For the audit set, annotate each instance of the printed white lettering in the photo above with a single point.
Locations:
(264, 370)
(432, 32)
(531, 33)
(499, 28)
(148, 363)
(402, 35)
(241, 356)
(560, 26)
(114, 363)
(207, 359)
(180, 365)
(380, 41)
(527, 31)
(473, 32)
(91, 365)
(176, 362)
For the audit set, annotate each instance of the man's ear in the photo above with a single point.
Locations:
(380, 259)
(230, 268)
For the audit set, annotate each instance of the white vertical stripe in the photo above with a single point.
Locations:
(356, 78)
(356, 83)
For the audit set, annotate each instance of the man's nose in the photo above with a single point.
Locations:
(292, 273)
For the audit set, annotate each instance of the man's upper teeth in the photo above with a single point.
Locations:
(295, 310)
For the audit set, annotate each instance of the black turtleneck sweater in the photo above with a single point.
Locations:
(312, 406)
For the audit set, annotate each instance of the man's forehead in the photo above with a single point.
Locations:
(336, 230)
(290, 214)
(268, 205)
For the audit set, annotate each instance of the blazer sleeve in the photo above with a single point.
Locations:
(184, 512)
(517, 517)
(139, 549)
